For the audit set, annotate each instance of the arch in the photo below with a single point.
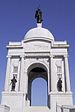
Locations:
(34, 65)
(39, 92)
(36, 70)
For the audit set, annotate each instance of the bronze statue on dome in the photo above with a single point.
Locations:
(38, 15)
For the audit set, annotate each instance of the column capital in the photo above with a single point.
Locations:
(8, 56)
(66, 56)
(22, 56)
(51, 55)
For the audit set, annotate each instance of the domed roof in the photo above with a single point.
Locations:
(39, 32)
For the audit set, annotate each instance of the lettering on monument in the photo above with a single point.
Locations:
(41, 46)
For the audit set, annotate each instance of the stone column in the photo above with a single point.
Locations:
(22, 79)
(8, 73)
(49, 80)
(51, 64)
(26, 89)
(49, 75)
(49, 83)
(26, 82)
(67, 73)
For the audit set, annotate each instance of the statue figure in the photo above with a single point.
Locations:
(59, 85)
(13, 82)
(38, 15)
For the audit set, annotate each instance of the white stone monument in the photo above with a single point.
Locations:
(38, 51)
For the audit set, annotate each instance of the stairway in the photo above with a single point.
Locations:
(37, 109)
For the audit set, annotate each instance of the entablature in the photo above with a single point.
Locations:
(60, 44)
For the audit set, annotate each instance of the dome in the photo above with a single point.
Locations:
(39, 32)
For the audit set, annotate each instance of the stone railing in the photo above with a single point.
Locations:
(4, 108)
(66, 108)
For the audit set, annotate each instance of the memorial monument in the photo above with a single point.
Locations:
(38, 51)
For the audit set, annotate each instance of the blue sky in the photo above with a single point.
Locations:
(39, 92)
(17, 17)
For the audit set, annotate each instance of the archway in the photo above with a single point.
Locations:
(39, 92)
(37, 71)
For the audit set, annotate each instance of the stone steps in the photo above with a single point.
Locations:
(37, 109)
